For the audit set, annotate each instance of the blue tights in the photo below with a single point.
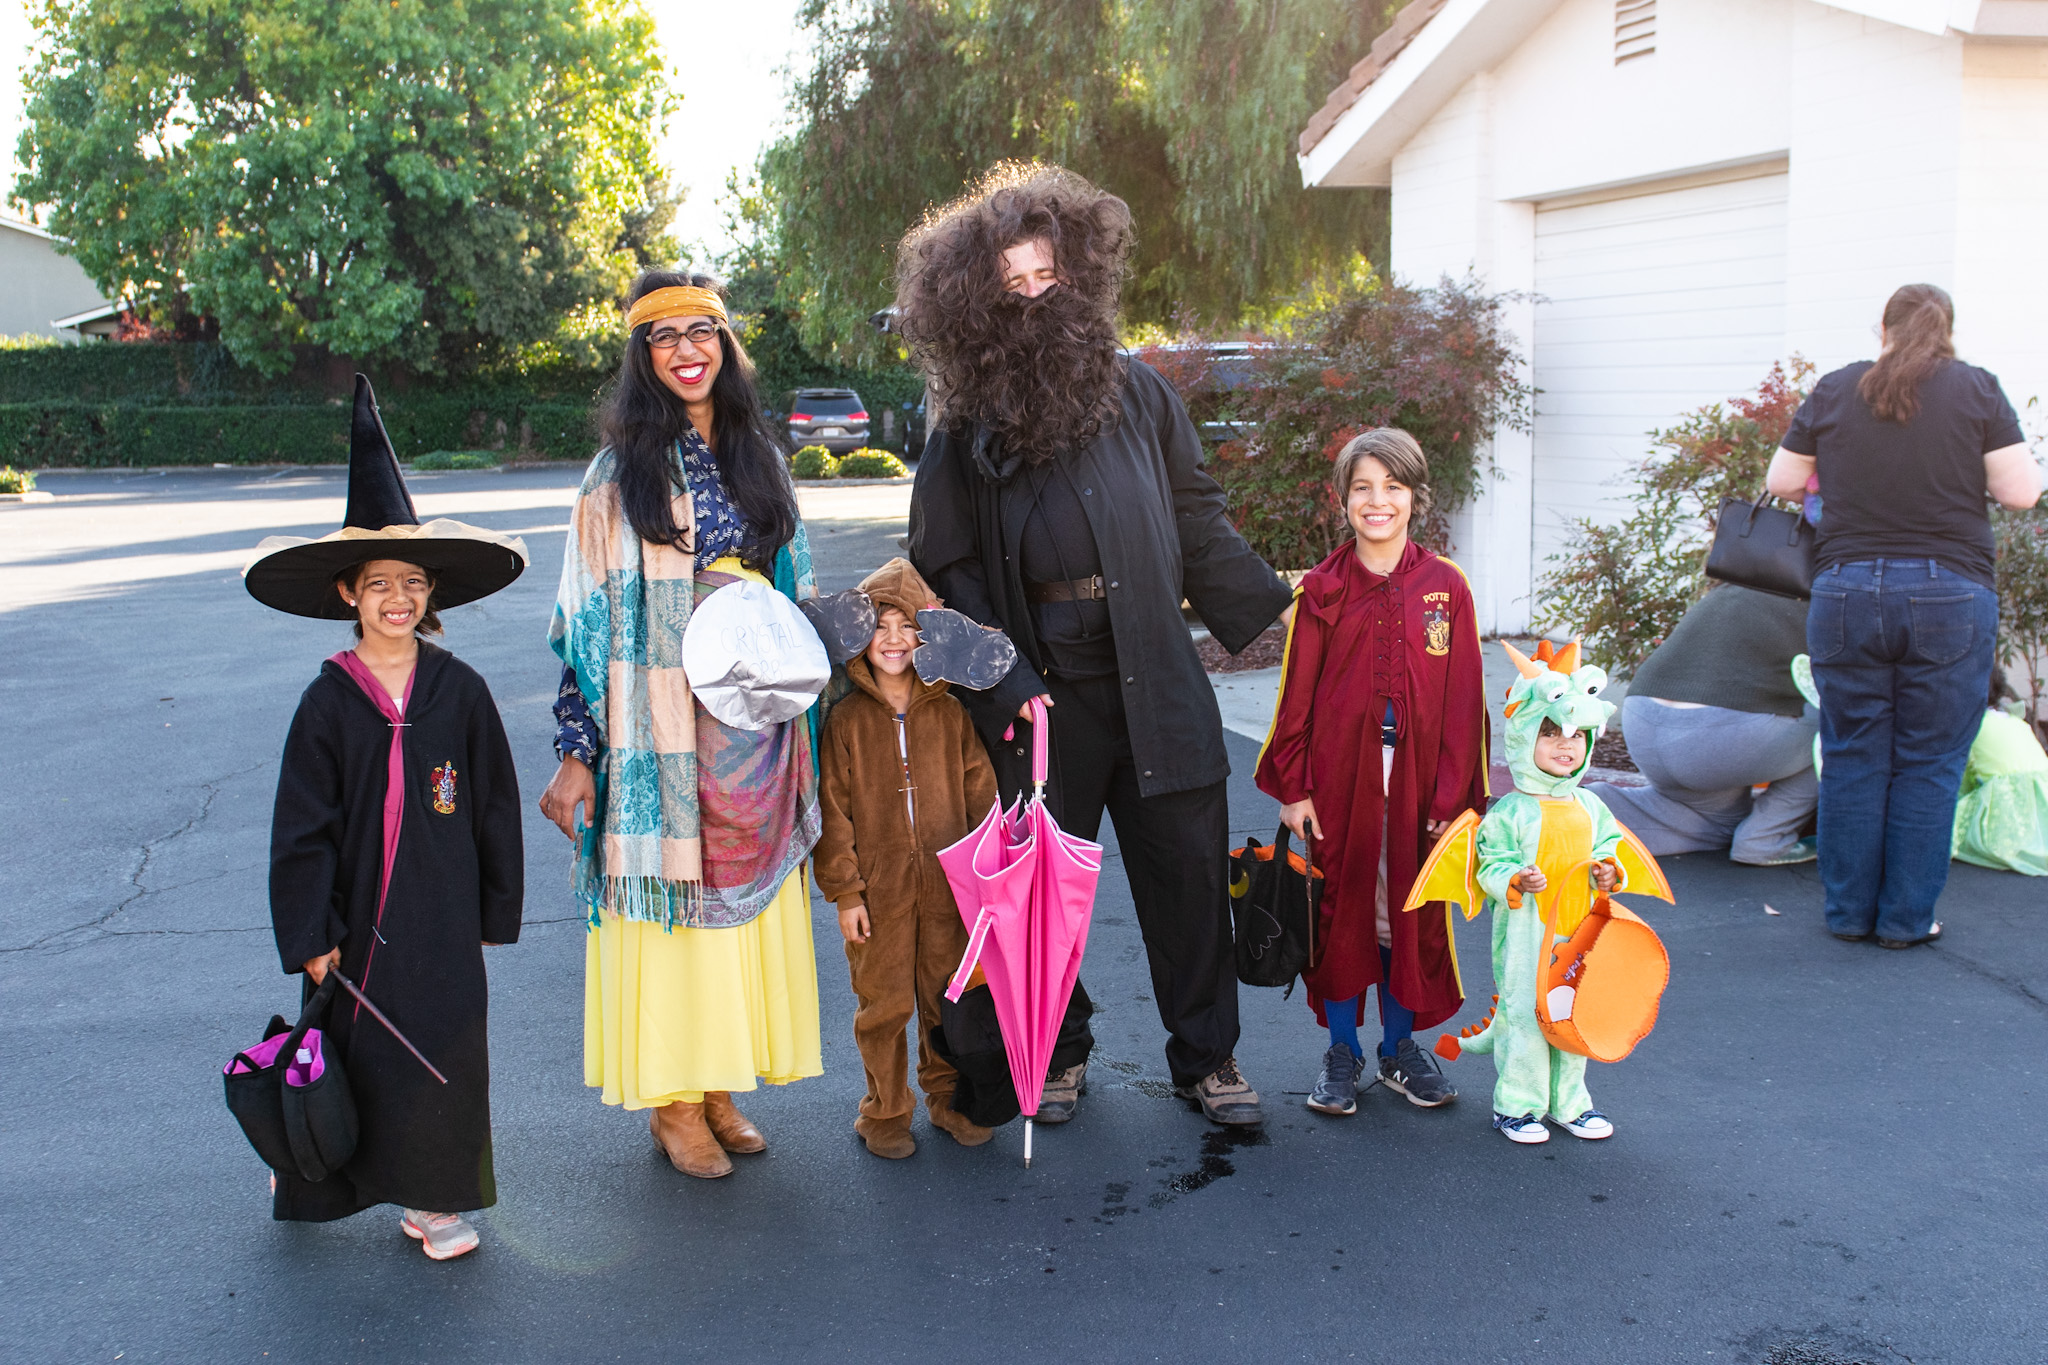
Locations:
(1397, 1021)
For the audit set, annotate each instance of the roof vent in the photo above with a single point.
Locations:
(1635, 29)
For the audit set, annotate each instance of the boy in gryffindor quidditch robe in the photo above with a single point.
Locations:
(1577, 975)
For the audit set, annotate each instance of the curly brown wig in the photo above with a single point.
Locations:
(1045, 374)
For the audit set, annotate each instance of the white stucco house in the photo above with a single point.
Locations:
(44, 292)
(1694, 189)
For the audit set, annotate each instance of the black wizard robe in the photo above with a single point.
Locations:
(456, 883)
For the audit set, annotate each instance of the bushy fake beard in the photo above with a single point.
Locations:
(1049, 376)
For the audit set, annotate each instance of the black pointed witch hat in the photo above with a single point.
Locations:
(297, 575)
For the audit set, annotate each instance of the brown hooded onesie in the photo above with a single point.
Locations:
(877, 848)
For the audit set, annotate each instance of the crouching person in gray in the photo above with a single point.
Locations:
(1712, 713)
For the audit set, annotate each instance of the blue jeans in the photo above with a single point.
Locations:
(1902, 652)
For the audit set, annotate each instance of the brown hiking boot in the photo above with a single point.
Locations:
(730, 1126)
(1226, 1097)
(1063, 1091)
(955, 1124)
(684, 1138)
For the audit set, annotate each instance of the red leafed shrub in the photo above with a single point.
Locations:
(1438, 362)
(1622, 585)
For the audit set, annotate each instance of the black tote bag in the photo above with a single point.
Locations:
(1276, 896)
(302, 1124)
(1762, 547)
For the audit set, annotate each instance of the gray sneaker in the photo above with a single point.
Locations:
(1226, 1097)
(1336, 1089)
(1414, 1073)
(1799, 851)
(443, 1236)
(1063, 1090)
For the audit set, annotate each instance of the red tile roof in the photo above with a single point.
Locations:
(1385, 48)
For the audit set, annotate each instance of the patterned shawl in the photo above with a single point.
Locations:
(620, 614)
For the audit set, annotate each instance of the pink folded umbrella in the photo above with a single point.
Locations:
(1026, 891)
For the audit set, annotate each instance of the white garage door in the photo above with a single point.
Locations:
(1653, 304)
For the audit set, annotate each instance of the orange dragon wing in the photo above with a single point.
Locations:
(1640, 874)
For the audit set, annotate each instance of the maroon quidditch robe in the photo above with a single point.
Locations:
(1358, 642)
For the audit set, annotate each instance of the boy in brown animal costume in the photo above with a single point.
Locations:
(902, 775)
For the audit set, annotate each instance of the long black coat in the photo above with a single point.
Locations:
(457, 882)
(1158, 522)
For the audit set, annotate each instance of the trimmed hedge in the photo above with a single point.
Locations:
(869, 463)
(187, 403)
(93, 435)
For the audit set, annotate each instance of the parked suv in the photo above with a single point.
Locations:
(1206, 373)
(833, 418)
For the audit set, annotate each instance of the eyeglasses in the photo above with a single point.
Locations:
(667, 338)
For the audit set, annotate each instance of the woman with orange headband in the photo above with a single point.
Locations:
(699, 977)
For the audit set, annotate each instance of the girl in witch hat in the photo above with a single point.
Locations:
(395, 846)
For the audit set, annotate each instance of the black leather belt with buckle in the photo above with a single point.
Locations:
(1072, 590)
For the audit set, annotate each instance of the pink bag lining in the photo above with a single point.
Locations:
(302, 1074)
(263, 1054)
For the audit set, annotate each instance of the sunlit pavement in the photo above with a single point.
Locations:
(1825, 1153)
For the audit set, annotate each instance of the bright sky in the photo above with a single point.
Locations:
(735, 52)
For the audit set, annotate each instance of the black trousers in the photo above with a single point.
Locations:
(1175, 851)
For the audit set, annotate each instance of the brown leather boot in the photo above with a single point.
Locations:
(681, 1133)
(732, 1128)
(953, 1123)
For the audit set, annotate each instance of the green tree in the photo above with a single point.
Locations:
(421, 182)
(1187, 108)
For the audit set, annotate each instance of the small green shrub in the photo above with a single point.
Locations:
(2023, 603)
(813, 462)
(14, 480)
(456, 459)
(869, 463)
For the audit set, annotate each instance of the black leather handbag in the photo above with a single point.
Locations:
(1276, 899)
(1762, 547)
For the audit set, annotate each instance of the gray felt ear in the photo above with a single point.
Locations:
(957, 650)
(845, 621)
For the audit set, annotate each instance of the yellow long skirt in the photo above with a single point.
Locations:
(670, 1014)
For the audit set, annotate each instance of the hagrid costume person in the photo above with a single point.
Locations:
(1577, 976)
(899, 780)
(395, 853)
(1380, 732)
(699, 978)
(1061, 498)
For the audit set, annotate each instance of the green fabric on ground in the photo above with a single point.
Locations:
(2002, 810)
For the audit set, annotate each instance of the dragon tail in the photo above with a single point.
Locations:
(1474, 1038)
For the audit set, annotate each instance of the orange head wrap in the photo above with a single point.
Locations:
(677, 301)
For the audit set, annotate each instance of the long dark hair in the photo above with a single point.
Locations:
(643, 419)
(1045, 373)
(1919, 322)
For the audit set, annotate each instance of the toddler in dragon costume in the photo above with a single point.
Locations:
(1578, 976)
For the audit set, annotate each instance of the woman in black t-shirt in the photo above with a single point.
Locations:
(1904, 618)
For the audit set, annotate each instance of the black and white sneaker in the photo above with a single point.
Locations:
(1523, 1128)
(1336, 1089)
(1591, 1125)
(1413, 1072)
